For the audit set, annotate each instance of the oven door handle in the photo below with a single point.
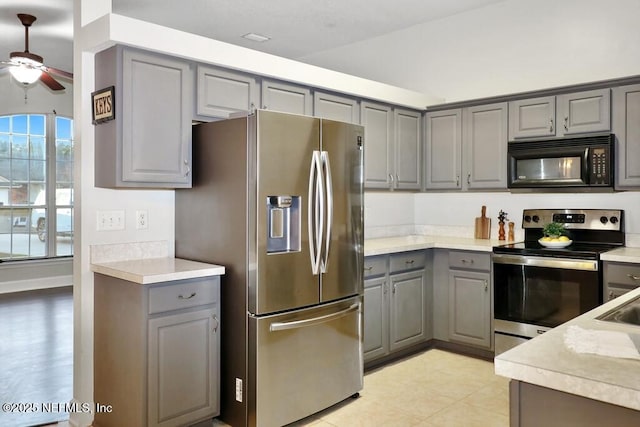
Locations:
(534, 261)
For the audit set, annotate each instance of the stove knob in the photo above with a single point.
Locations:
(536, 218)
(603, 219)
(527, 218)
(614, 220)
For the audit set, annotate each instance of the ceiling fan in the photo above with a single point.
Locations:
(27, 67)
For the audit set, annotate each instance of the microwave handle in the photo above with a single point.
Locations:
(586, 167)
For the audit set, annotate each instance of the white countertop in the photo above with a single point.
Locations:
(155, 270)
(622, 255)
(547, 362)
(388, 245)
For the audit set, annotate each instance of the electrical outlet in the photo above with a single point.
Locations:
(238, 389)
(142, 219)
(110, 220)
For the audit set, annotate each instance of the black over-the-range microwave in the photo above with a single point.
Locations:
(581, 163)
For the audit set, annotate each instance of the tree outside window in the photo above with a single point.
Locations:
(36, 186)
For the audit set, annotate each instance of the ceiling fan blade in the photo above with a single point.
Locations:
(57, 72)
(50, 81)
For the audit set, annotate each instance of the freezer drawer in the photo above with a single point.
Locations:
(304, 361)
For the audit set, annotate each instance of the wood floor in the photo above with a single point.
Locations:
(36, 356)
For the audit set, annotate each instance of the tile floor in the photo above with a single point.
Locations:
(435, 388)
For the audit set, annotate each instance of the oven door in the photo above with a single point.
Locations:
(533, 294)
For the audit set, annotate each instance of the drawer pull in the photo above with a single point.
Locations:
(633, 276)
(409, 262)
(368, 268)
(464, 261)
(216, 323)
(193, 294)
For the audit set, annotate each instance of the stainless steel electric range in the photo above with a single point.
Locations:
(537, 288)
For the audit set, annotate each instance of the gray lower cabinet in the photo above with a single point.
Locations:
(626, 127)
(156, 351)
(221, 92)
(148, 144)
(619, 278)
(335, 107)
(470, 298)
(397, 297)
(562, 115)
(286, 97)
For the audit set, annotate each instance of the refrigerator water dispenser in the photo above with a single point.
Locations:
(283, 224)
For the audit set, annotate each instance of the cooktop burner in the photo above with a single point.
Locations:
(592, 231)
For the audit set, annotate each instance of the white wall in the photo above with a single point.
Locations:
(508, 47)
(39, 98)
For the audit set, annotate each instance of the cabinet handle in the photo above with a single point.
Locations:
(409, 262)
(457, 180)
(186, 162)
(368, 268)
(551, 126)
(216, 323)
(464, 261)
(385, 289)
(633, 276)
(394, 288)
(468, 178)
(193, 294)
(566, 122)
(486, 285)
(611, 295)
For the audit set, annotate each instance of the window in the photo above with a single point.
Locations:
(36, 186)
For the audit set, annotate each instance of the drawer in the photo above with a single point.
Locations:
(624, 274)
(183, 294)
(404, 261)
(375, 266)
(470, 260)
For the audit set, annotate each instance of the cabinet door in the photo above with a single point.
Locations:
(470, 308)
(626, 127)
(221, 92)
(532, 117)
(183, 368)
(588, 111)
(335, 107)
(286, 98)
(408, 149)
(485, 146)
(408, 312)
(378, 145)
(156, 119)
(443, 149)
(376, 318)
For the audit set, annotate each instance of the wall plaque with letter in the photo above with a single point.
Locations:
(103, 105)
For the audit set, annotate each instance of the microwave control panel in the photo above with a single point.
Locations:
(599, 166)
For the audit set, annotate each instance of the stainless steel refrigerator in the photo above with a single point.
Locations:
(278, 200)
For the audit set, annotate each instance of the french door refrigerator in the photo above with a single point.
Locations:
(278, 200)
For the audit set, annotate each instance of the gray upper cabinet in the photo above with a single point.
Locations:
(484, 146)
(287, 98)
(626, 127)
(583, 112)
(221, 92)
(564, 115)
(148, 144)
(534, 117)
(377, 120)
(443, 150)
(408, 149)
(334, 107)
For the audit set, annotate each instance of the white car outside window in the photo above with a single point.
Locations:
(64, 216)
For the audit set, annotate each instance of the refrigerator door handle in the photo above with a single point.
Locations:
(283, 326)
(329, 199)
(314, 223)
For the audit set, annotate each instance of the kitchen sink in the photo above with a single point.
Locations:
(628, 313)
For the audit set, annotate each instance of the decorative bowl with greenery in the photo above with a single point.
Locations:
(554, 229)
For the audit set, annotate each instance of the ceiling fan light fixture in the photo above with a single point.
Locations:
(25, 74)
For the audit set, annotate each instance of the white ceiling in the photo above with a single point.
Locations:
(296, 27)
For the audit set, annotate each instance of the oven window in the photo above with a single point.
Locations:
(543, 296)
(553, 168)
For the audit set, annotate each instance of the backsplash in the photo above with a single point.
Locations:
(394, 213)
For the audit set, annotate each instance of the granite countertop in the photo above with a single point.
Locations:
(155, 270)
(546, 361)
(147, 262)
(388, 245)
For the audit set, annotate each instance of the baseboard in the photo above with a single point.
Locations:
(36, 284)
